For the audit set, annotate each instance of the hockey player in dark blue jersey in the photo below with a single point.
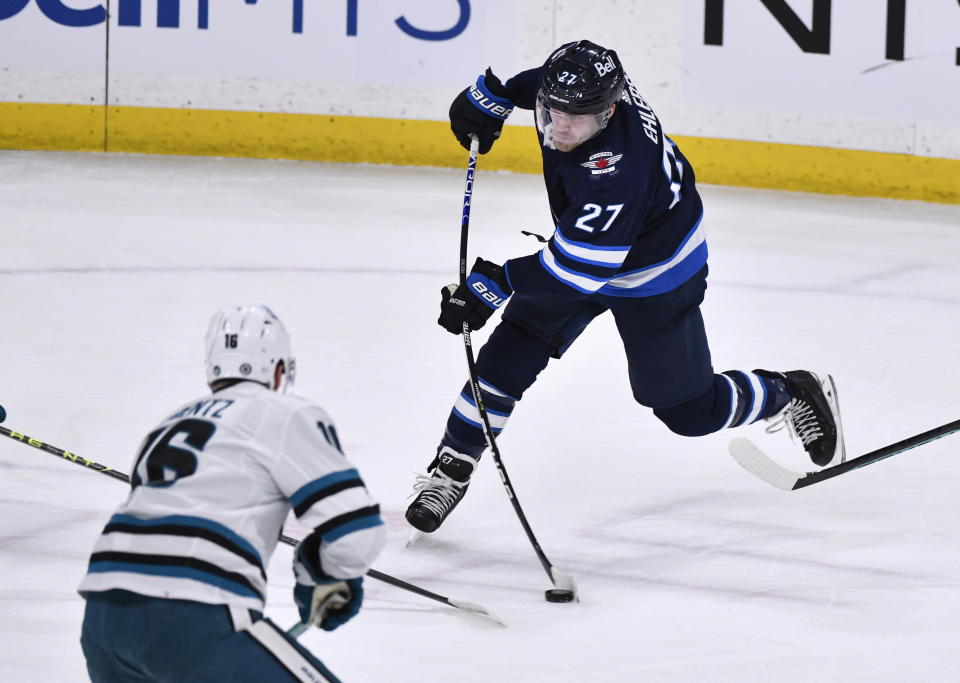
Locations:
(628, 239)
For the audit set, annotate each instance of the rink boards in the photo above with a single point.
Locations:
(841, 101)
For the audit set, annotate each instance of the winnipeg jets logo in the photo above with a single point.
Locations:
(602, 162)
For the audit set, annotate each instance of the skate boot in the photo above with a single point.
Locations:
(440, 491)
(813, 415)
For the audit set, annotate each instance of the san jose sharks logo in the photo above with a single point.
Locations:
(602, 162)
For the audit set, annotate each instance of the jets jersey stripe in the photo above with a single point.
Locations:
(665, 281)
(603, 271)
(693, 239)
(191, 527)
(687, 260)
(176, 566)
(611, 257)
(341, 525)
(310, 494)
(578, 261)
(579, 281)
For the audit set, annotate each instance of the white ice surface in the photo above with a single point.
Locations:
(689, 569)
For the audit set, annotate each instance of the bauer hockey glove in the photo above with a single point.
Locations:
(486, 290)
(480, 110)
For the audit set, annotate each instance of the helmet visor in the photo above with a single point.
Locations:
(564, 132)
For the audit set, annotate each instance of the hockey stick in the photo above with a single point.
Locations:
(759, 464)
(565, 589)
(372, 573)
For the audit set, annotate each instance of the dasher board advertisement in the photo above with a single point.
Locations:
(885, 59)
(413, 43)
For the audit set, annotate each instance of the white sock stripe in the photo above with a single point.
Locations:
(240, 616)
(493, 390)
(468, 410)
(759, 394)
(734, 397)
(277, 645)
(745, 416)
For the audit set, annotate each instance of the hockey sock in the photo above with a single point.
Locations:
(754, 397)
(464, 431)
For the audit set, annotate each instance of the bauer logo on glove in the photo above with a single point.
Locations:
(489, 103)
(450, 292)
(480, 110)
(486, 290)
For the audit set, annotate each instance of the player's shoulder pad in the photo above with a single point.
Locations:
(292, 403)
(192, 408)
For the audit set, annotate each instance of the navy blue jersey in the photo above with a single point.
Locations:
(625, 207)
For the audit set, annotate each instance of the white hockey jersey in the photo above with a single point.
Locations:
(212, 486)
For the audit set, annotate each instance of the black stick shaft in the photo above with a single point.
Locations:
(66, 455)
(879, 454)
(399, 583)
(120, 476)
(472, 368)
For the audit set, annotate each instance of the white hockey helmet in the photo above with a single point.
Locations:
(247, 342)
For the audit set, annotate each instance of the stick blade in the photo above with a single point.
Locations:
(564, 582)
(480, 611)
(762, 466)
(413, 538)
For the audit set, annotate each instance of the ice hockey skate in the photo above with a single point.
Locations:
(812, 415)
(439, 491)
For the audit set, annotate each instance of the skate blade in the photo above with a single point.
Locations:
(412, 539)
(841, 444)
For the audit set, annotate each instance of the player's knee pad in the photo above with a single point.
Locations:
(699, 416)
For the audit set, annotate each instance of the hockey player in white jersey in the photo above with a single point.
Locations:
(176, 584)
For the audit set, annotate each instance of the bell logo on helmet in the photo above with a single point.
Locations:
(604, 67)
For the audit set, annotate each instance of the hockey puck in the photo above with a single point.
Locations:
(3, 414)
(558, 595)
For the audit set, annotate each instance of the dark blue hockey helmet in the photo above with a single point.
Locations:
(582, 78)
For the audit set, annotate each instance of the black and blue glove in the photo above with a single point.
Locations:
(487, 289)
(329, 603)
(480, 110)
(323, 600)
